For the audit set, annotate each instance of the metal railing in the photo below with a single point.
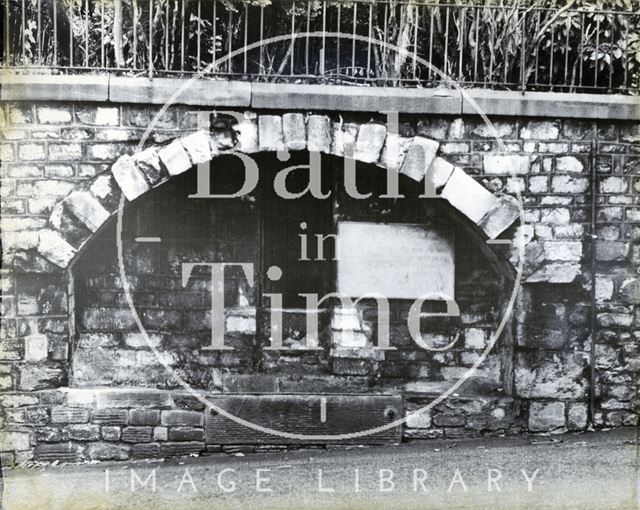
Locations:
(384, 42)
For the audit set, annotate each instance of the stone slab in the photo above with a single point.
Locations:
(55, 88)
(300, 414)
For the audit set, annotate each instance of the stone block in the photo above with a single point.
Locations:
(31, 152)
(40, 377)
(569, 164)
(62, 452)
(85, 432)
(247, 134)
(439, 173)
(175, 159)
(511, 164)
(186, 434)
(160, 434)
(14, 441)
(107, 451)
(555, 272)
(110, 433)
(468, 196)
(129, 178)
(369, 142)
(344, 139)
(125, 398)
(295, 131)
(577, 416)
(604, 288)
(569, 184)
(54, 115)
(36, 348)
(551, 375)
(148, 162)
(87, 209)
(100, 116)
(270, 135)
(394, 151)
(181, 448)
(629, 292)
(65, 151)
(540, 130)
(547, 417)
(420, 155)
(500, 217)
(319, 133)
(557, 216)
(149, 417)
(420, 420)
(109, 416)
(347, 366)
(63, 414)
(136, 434)
(182, 418)
(563, 250)
(612, 251)
(198, 147)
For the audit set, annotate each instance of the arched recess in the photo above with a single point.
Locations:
(78, 216)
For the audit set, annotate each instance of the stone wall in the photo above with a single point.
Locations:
(59, 187)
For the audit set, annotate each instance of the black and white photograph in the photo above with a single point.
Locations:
(319, 254)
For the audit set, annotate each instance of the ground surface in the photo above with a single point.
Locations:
(587, 471)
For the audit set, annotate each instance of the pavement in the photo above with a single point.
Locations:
(596, 470)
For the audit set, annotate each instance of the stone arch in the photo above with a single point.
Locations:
(78, 216)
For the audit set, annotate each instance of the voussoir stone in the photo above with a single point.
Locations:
(394, 151)
(149, 163)
(247, 133)
(295, 131)
(54, 248)
(319, 133)
(174, 157)
(129, 177)
(270, 136)
(500, 217)
(468, 196)
(198, 147)
(439, 172)
(369, 142)
(343, 141)
(420, 155)
(87, 209)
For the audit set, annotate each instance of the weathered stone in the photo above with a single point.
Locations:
(63, 414)
(613, 185)
(63, 452)
(186, 434)
(500, 217)
(439, 173)
(558, 216)
(604, 288)
(134, 398)
(550, 375)
(468, 196)
(182, 418)
(630, 291)
(569, 164)
(14, 441)
(136, 434)
(319, 133)
(36, 348)
(31, 152)
(393, 152)
(295, 131)
(54, 248)
(149, 417)
(87, 209)
(369, 142)
(546, 417)
(247, 133)
(420, 420)
(174, 157)
(608, 251)
(65, 151)
(197, 146)
(160, 434)
(270, 136)
(555, 272)
(569, 184)
(540, 130)
(85, 432)
(100, 116)
(511, 164)
(563, 250)
(106, 451)
(129, 178)
(344, 139)
(109, 416)
(420, 155)
(52, 115)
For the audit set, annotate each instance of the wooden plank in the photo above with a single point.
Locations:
(304, 414)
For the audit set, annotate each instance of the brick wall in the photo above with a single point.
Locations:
(52, 318)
